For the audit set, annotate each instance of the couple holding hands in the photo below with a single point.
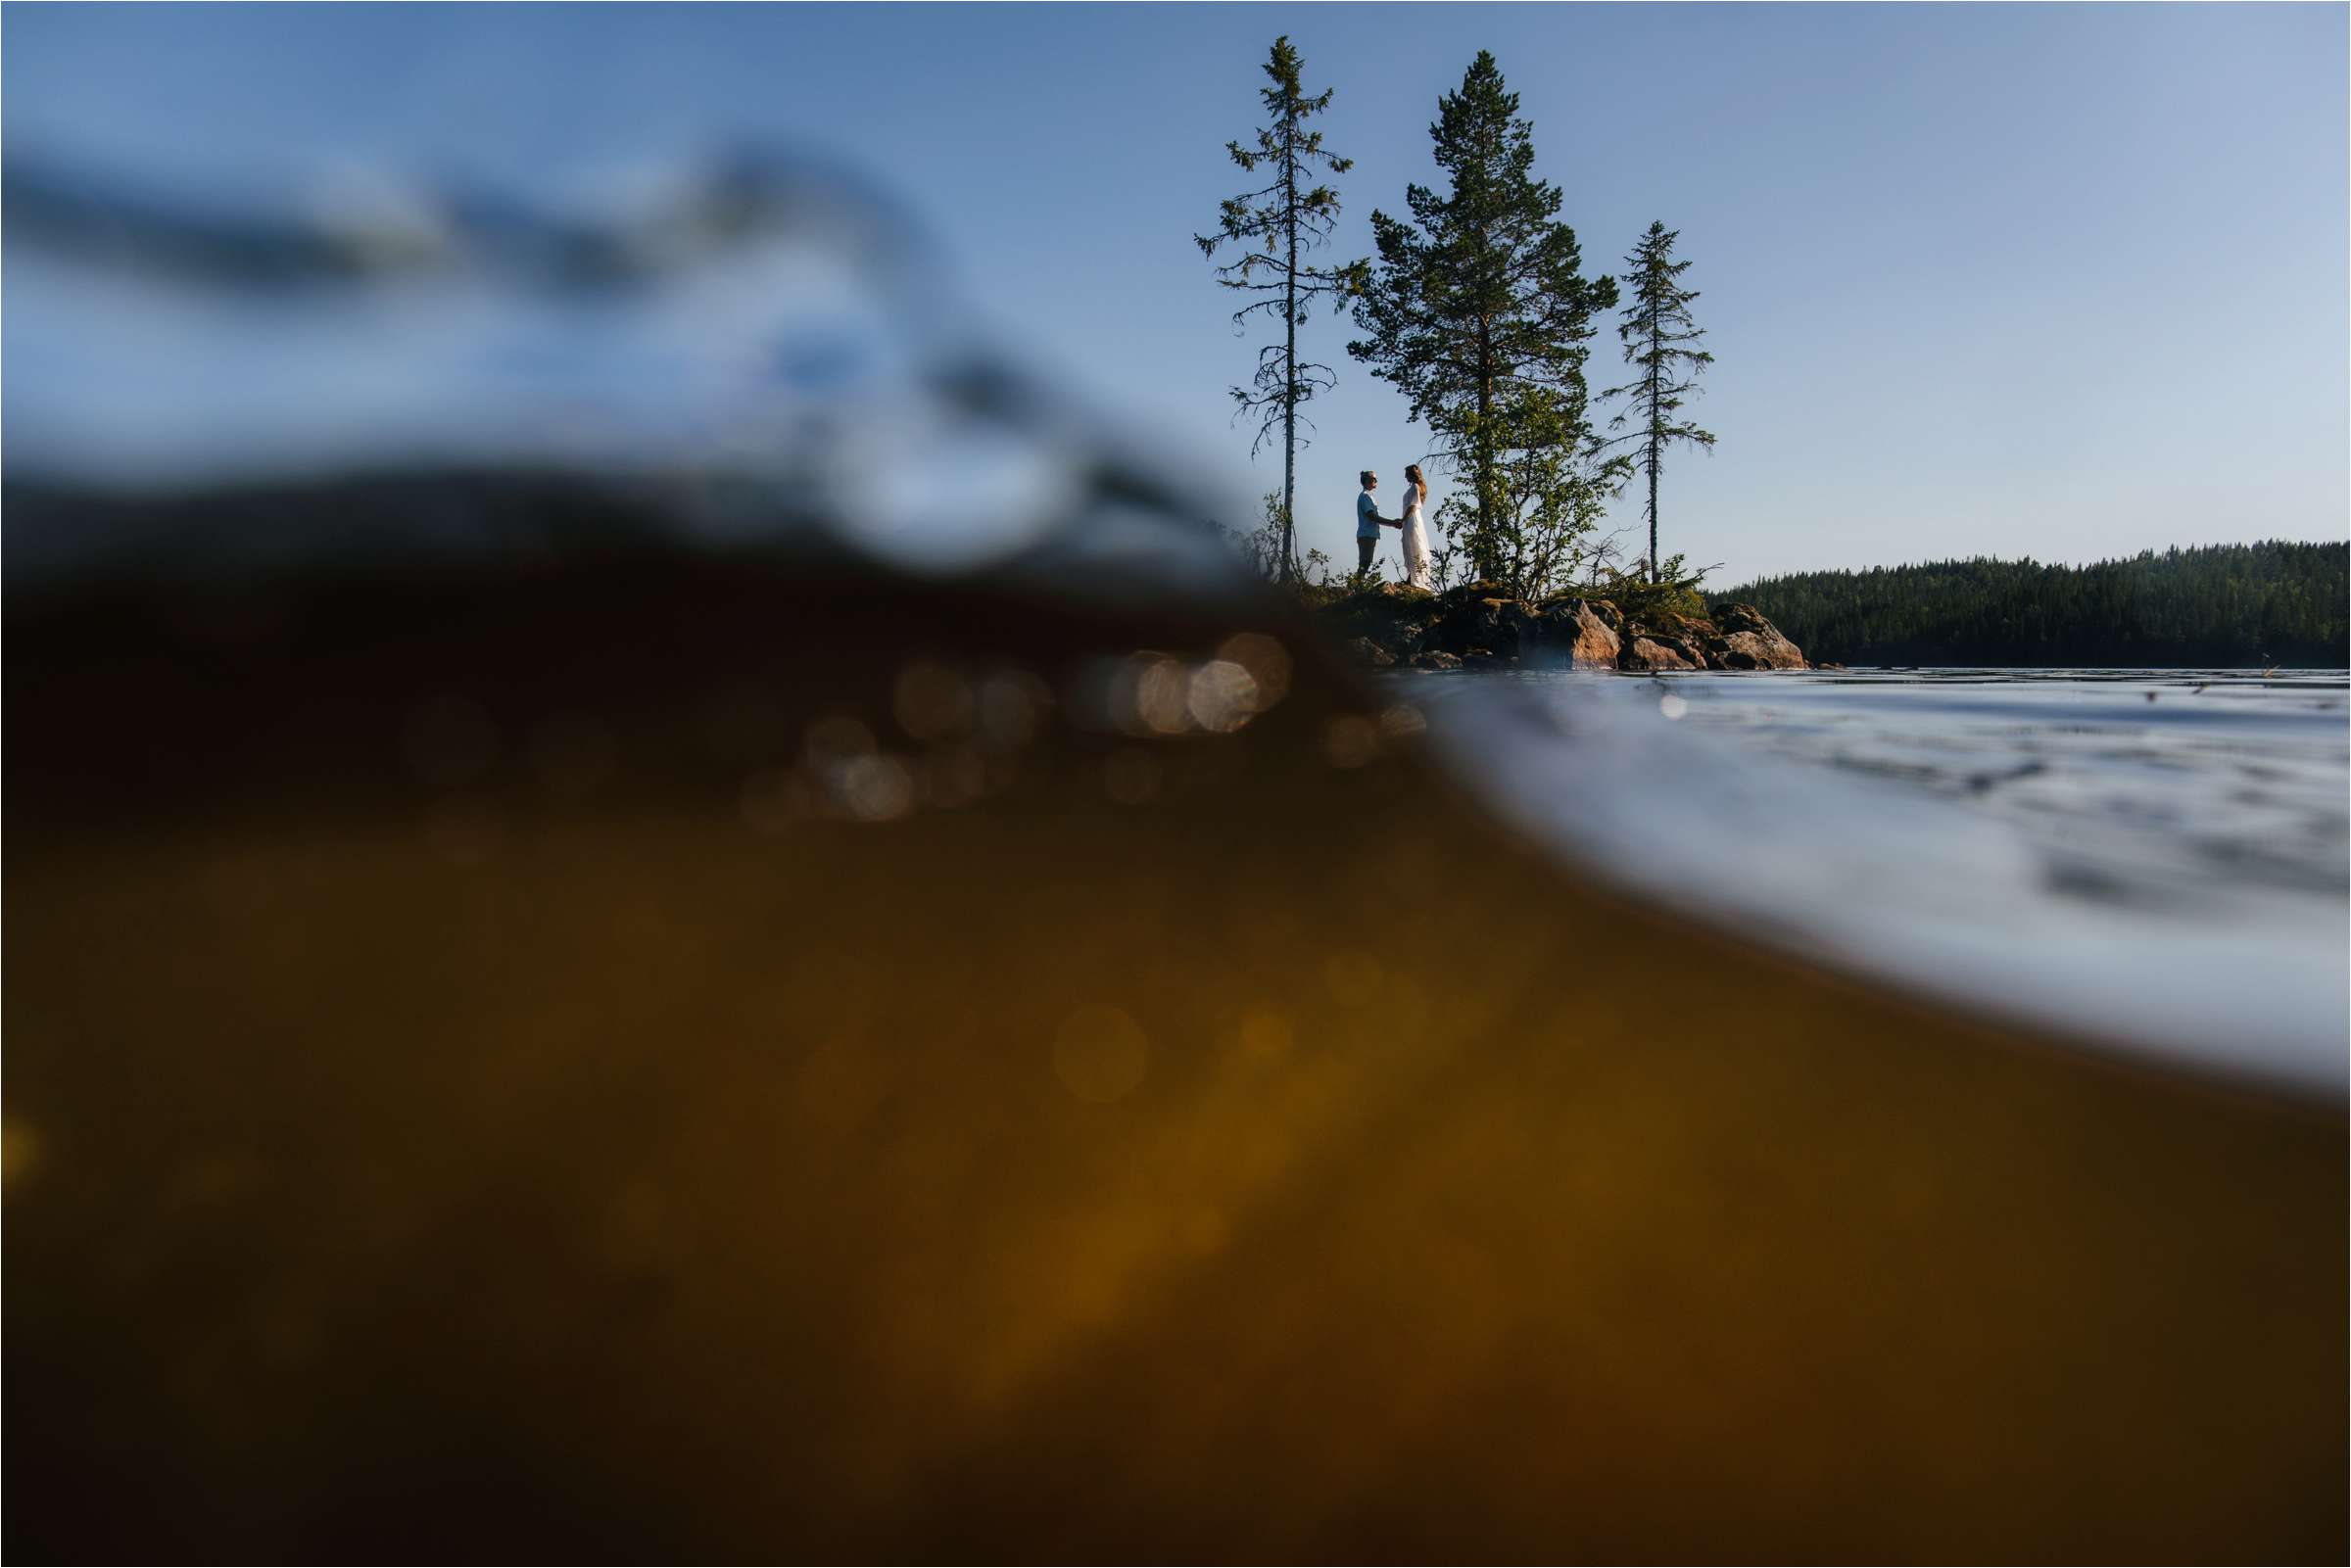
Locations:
(1368, 523)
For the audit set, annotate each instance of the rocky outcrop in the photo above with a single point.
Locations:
(1579, 634)
(1480, 626)
(1498, 627)
(1660, 654)
(1392, 618)
(1752, 643)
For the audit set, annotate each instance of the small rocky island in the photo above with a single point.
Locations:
(1478, 625)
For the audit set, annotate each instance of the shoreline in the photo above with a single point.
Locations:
(1481, 625)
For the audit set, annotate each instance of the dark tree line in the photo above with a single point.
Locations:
(2219, 605)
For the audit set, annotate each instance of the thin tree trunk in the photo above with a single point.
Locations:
(1487, 499)
(1289, 361)
(1652, 510)
(1656, 368)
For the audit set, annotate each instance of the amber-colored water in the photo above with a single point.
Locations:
(476, 1087)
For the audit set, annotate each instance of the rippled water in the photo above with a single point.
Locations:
(2155, 858)
(2160, 790)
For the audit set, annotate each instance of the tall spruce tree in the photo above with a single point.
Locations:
(1480, 314)
(1657, 334)
(1272, 226)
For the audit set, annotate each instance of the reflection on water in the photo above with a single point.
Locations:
(2157, 857)
(2166, 789)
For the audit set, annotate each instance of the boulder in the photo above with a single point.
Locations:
(1606, 609)
(1500, 626)
(1367, 651)
(1694, 637)
(1726, 657)
(1487, 659)
(1746, 636)
(1573, 634)
(1733, 617)
(1685, 639)
(1743, 650)
(1691, 650)
(1651, 653)
(1390, 615)
(1436, 659)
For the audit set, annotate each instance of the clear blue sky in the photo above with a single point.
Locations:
(2065, 280)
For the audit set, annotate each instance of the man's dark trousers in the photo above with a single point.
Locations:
(1362, 553)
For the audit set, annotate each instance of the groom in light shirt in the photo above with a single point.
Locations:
(1368, 522)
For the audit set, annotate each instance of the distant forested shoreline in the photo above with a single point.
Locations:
(2224, 605)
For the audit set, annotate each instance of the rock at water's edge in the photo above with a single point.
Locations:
(1578, 634)
(1479, 624)
(1498, 626)
(1649, 654)
(1746, 634)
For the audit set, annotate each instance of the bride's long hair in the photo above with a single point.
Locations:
(1412, 471)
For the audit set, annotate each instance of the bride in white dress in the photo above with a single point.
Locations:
(1416, 569)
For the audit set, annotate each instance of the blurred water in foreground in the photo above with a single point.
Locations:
(2156, 858)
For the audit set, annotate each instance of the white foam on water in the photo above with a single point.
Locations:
(2053, 849)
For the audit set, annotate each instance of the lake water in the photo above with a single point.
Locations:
(2157, 860)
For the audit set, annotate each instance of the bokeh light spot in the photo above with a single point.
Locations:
(933, 702)
(1267, 661)
(21, 1153)
(1100, 1053)
(1350, 740)
(876, 789)
(1162, 700)
(1222, 697)
(1013, 705)
(835, 739)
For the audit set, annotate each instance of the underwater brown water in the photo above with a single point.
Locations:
(471, 1090)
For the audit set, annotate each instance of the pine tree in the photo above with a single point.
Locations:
(1480, 314)
(1273, 226)
(1657, 335)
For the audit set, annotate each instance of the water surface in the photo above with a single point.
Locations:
(2154, 858)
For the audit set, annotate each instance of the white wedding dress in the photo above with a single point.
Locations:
(1416, 569)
